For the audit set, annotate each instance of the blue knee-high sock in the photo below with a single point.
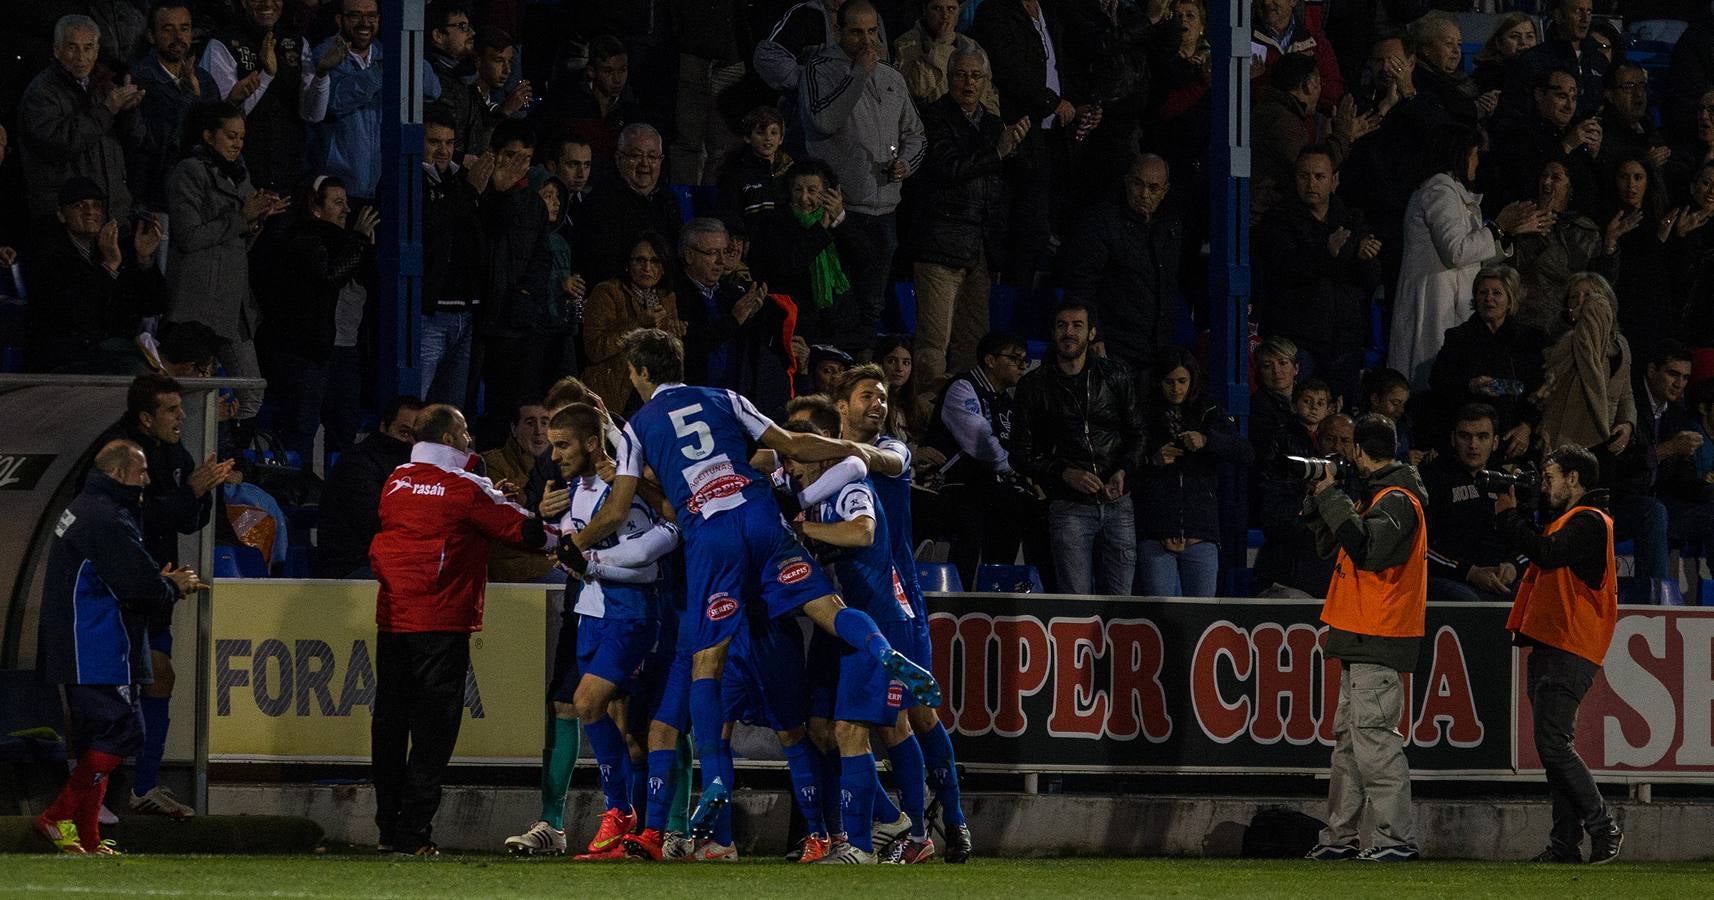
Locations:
(155, 721)
(662, 786)
(723, 825)
(639, 773)
(806, 785)
(830, 802)
(613, 760)
(883, 809)
(906, 757)
(854, 627)
(856, 796)
(943, 774)
(706, 713)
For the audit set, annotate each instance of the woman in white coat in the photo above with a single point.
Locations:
(1446, 241)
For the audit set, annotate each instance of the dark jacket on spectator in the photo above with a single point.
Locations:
(1181, 499)
(1090, 421)
(1461, 531)
(1517, 98)
(616, 215)
(317, 261)
(782, 252)
(351, 503)
(65, 129)
(1019, 62)
(961, 216)
(458, 100)
(757, 353)
(1688, 78)
(80, 317)
(520, 262)
(170, 508)
(275, 132)
(1671, 476)
(1520, 151)
(1318, 300)
(1280, 127)
(1127, 269)
(749, 185)
(577, 113)
(720, 30)
(1288, 555)
(153, 145)
(1269, 414)
(453, 252)
(209, 269)
(1546, 263)
(1455, 94)
(1472, 351)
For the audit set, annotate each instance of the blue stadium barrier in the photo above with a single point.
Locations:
(904, 312)
(686, 202)
(1003, 303)
(250, 562)
(940, 577)
(1002, 579)
(226, 562)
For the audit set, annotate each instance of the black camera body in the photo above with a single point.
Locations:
(1492, 481)
(1313, 468)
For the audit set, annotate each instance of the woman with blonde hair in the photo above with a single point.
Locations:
(1495, 359)
(1585, 397)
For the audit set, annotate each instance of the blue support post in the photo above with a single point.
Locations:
(1229, 248)
(399, 200)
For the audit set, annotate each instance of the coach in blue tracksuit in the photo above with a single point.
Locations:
(100, 588)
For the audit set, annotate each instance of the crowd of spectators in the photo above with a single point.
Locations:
(1501, 253)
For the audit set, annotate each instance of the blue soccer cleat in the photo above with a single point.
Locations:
(915, 678)
(702, 819)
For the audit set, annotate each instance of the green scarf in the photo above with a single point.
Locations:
(826, 276)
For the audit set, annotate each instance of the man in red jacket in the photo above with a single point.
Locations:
(431, 558)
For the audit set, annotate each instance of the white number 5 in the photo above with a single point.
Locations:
(683, 428)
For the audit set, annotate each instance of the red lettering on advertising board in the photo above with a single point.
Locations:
(1024, 662)
(1221, 721)
(1139, 700)
(974, 633)
(1079, 709)
(1449, 707)
(1285, 680)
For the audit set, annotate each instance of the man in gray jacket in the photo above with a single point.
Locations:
(67, 122)
(858, 116)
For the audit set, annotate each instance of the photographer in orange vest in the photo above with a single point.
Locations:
(1566, 608)
(1374, 613)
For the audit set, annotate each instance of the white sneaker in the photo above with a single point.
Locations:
(846, 854)
(676, 845)
(541, 840)
(159, 801)
(108, 817)
(709, 851)
(886, 833)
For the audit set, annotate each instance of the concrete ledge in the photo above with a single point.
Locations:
(1009, 825)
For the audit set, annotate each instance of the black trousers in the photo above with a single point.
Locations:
(1557, 681)
(988, 522)
(419, 705)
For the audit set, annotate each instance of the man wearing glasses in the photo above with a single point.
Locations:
(627, 206)
(1568, 45)
(1625, 121)
(989, 505)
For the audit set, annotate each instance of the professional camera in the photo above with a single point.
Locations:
(1314, 468)
(1491, 481)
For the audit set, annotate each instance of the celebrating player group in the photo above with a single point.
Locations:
(696, 546)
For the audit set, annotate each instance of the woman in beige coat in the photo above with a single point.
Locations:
(641, 298)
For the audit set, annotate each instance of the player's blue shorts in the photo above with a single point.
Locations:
(651, 680)
(673, 709)
(747, 554)
(866, 692)
(105, 717)
(562, 684)
(919, 647)
(763, 683)
(821, 670)
(613, 649)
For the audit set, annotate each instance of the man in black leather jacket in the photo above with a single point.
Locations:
(351, 499)
(1079, 434)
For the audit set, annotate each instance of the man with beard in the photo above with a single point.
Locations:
(452, 45)
(1565, 612)
(259, 69)
(1466, 559)
(172, 83)
(510, 465)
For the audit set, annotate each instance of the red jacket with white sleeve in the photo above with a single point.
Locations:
(431, 555)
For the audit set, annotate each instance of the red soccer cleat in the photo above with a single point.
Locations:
(815, 847)
(648, 846)
(614, 826)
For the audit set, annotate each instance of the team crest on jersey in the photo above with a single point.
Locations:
(721, 606)
(793, 571)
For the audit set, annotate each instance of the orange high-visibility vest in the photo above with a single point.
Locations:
(1388, 603)
(1556, 608)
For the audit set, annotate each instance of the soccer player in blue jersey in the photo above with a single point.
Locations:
(860, 395)
(738, 549)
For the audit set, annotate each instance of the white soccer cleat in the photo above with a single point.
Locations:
(846, 854)
(541, 840)
(159, 801)
(677, 846)
(108, 817)
(709, 851)
(886, 833)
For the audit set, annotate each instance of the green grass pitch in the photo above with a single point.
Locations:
(470, 877)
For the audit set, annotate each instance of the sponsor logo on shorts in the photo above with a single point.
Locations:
(895, 694)
(793, 571)
(721, 606)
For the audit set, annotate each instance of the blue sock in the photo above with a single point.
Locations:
(147, 773)
(662, 787)
(723, 825)
(639, 772)
(706, 713)
(806, 785)
(943, 774)
(883, 809)
(906, 757)
(830, 774)
(854, 627)
(856, 795)
(613, 761)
